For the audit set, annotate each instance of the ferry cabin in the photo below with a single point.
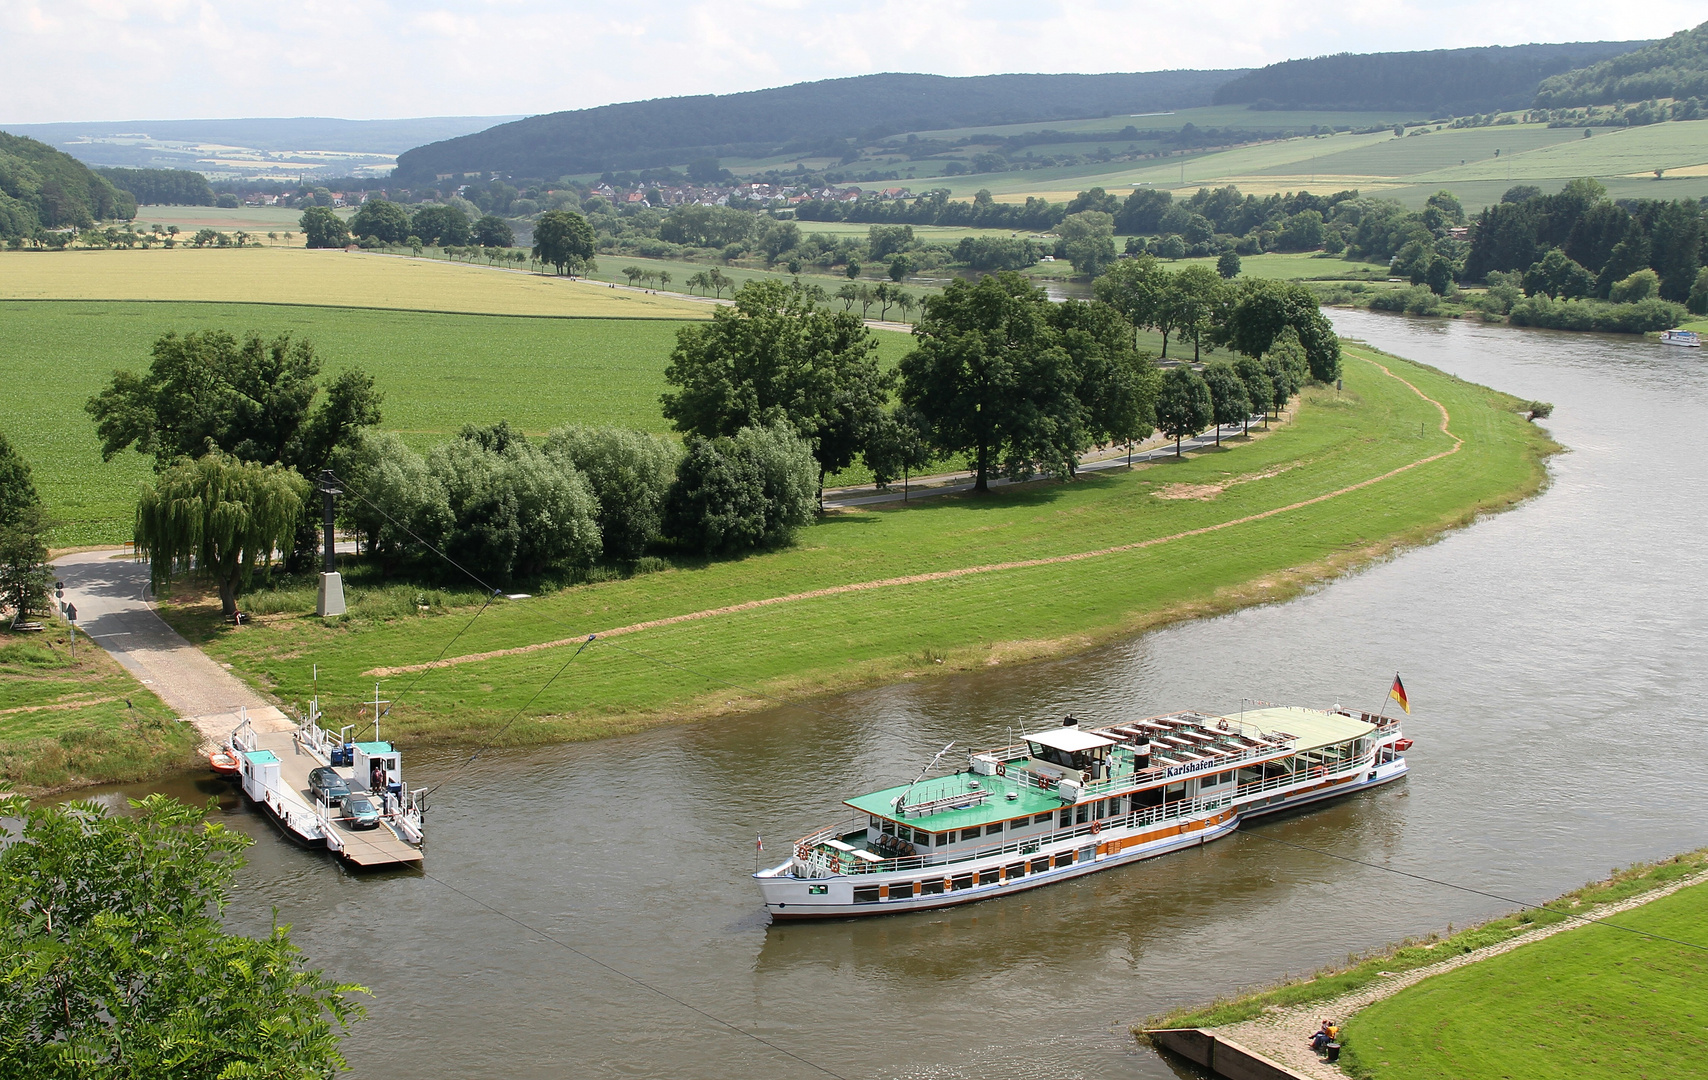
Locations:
(1070, 800)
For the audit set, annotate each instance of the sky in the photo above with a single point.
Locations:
(72, 60)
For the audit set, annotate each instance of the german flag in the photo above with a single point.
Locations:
(1398, 693)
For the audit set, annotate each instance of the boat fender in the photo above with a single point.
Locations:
(1002, 768)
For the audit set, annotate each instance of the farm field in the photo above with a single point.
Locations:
(1297, 266)
(326, 278)
(253, 219)
(837, 636)
(1217, 116)
(437, 372)
(87, 721)
(1587, 1004)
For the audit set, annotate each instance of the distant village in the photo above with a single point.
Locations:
(647, 195)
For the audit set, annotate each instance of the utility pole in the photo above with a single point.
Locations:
(331, 598)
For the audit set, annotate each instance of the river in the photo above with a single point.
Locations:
(1554, 659)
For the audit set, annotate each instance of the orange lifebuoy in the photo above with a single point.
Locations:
(1096, 827)
(1002, 768)
(801, 852)
(1319, 771)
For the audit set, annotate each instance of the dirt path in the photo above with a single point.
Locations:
(946, 575)
(1284, 1034)
(111, 597)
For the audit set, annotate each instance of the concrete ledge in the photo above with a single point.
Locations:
(1220, 1055)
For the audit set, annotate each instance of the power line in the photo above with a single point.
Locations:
(1477, 892)
(613, 969)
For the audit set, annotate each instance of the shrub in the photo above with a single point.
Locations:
(514, 511)
(1639, 286)
(1638, 318)
(629, 473)
(391, 498)
(731, 495)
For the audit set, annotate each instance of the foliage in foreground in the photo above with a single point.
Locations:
(113, 962)
(1332, 982)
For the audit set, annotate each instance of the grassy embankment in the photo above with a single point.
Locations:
(860, 625)
(1589, 1003)
(65, 723)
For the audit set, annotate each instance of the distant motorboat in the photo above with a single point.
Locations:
(1686, 338)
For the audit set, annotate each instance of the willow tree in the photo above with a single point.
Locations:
(221, 517)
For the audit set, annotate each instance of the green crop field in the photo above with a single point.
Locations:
(437, 372)
(251, 219)
(840, 636)
(1298, 266)
(1587, 1004)
(82, 721)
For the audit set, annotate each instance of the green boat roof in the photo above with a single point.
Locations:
(260, 757)
(372, 748)
(996, 807)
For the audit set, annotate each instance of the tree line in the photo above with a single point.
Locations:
(163, 187)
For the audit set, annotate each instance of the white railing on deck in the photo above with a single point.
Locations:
(811, 852)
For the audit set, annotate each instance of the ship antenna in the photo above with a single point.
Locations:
(901, 802)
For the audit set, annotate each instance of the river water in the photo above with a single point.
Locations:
(1553, 655)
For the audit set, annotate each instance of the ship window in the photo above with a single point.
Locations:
(921, 837)
(1212, 781)
(817, 890)
(993, 829)
(1081, 812)
(1040, 865)
(1173, 792)
(890, 827)
(942, 839)
(1042, 819)
(866, 894)
(970, 834)
(933, 887)
(963, 881)
(1016, 871)
(989, 877)
(1067, 816)
(1064, 858)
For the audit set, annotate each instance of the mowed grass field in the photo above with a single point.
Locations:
(847, 636)
(1593, 1003)
(84, 721)
(438, 372)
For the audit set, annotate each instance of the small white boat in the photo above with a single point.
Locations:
(1069, 800)
(1686, 338)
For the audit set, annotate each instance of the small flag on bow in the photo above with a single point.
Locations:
(1398, 693)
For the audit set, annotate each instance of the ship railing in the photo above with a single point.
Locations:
(811, 852)
(1026, 778)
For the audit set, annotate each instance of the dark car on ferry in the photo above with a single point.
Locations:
(327, 786)
(360, 811)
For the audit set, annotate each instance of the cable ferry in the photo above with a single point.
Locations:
(1072, 800)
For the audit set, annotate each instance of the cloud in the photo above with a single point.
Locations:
(163, 59)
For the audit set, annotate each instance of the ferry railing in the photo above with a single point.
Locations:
(810, 852)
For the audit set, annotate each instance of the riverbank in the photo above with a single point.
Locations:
(956, 583)
(1555, 996)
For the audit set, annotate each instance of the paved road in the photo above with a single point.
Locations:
(865, 496)
(111, 596)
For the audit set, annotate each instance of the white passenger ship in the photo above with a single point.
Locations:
(1071, 800)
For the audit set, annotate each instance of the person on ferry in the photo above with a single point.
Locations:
(376, 777)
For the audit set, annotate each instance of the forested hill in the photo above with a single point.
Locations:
(1440, 82)
(43, 188)
(813, 116)
(1676, 68)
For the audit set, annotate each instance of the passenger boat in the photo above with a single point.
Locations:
(1072, 800)
(274, 768)
(1686, 338)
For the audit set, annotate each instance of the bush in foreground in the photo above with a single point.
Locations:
(630, 474)
(733, 495)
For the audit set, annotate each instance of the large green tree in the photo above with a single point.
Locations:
(1261, 309)
(321, 228)
(1135, 287)
(1230, 401)
(381, 219)
(774, 355)
(252, 399)
(1193, 303)
(114, 964)
(24, 573)
(1183, 405)
(989, 377)
(436, 223)
(220, 517)
(564, 240)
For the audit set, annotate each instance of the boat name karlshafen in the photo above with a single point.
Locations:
(1182, 770)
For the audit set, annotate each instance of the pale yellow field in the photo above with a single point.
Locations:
(328, 278)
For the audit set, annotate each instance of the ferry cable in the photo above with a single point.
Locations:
(493, 594)
(635, 979)
(1479, 892)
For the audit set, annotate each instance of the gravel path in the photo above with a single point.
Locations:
(111, 597)
(1284, 1033)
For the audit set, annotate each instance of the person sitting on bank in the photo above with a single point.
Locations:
(1324, 1036)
